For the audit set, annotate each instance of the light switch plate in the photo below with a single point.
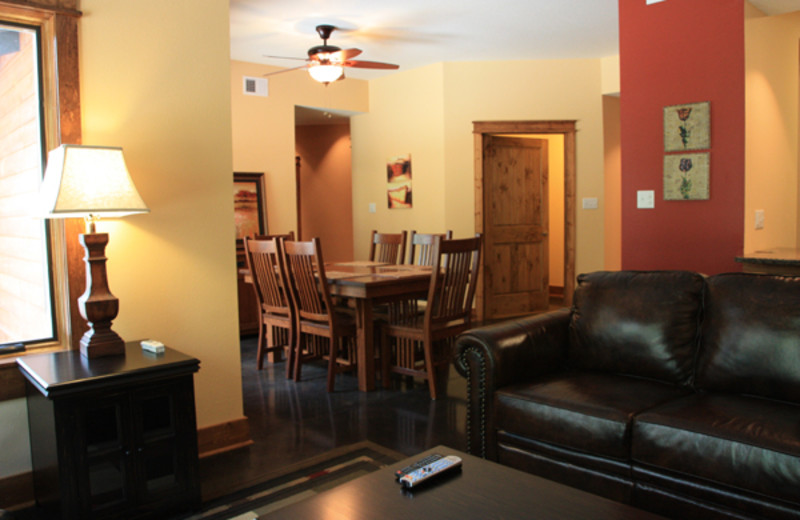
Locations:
(645, 199)
(372, 208)
(759, 219)
(590, 203)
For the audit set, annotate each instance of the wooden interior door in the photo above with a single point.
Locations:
(515, 200)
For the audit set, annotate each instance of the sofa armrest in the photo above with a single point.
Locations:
(503, 354)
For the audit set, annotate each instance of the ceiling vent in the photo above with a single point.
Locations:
(255, 86)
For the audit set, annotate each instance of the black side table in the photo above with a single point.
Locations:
(114, 436)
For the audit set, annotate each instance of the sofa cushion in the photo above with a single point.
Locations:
(751, 336)
(644, 324)
(587, 412)
(743, 442)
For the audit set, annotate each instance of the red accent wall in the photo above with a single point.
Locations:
(676, 52)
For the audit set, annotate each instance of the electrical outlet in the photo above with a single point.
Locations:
(645, 199)
(759, 219)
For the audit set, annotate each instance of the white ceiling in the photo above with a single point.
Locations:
(414, 33)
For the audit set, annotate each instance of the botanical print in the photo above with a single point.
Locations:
(686, 176)
(687, 127)
(398, 176)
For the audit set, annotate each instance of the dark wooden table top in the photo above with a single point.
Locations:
(64, 372)
(483, 490)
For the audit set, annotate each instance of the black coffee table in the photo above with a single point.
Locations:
(483, 490)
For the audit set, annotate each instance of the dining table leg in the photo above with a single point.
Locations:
(365, 345)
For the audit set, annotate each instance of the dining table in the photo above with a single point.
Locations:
(368, 284)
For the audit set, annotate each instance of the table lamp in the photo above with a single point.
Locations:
(92, 182)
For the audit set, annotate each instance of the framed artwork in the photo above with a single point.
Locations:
(398, 177)
(249, 206)
(687, 127)
(686, 176)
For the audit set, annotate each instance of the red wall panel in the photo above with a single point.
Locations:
(676, 52)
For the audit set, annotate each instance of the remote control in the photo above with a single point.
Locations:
(400, 473)
(439, 467)
(152, 345)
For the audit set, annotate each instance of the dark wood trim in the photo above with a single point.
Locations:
(227, 436)
(16, 491)
(12, 383)
(60, 7)
(568, 130)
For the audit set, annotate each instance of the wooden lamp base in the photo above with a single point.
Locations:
(97, 305)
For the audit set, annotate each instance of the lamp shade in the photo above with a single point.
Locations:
(88, 180)
(325, 73)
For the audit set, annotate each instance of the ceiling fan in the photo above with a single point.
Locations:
(326, 63)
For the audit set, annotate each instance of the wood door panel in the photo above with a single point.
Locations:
(516, 267)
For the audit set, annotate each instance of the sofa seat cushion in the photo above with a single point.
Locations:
(747, 443)
(582, 411)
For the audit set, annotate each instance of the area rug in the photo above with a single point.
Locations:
(301, 481)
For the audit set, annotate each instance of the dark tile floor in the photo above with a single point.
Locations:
(292, 421)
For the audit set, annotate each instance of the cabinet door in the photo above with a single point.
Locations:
(103, 424)
(166, 441)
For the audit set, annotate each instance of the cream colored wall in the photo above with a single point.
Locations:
(263, 129)
(525, 90)
(771, 132)
(405, 117)
(151, 82)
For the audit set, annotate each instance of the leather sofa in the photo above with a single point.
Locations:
(668, 390)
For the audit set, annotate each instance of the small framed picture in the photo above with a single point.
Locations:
(686, 176)
(249, 206)
(687, 127)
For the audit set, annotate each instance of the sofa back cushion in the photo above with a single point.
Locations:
(643, 324)
(751, 336)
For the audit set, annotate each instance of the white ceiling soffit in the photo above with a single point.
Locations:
(775, 7)
(415, 33)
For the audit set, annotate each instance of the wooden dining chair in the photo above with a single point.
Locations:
(285, 236)
(421, 248)
(317, 317)
(276, 328)
(388, 247)
(418, 344)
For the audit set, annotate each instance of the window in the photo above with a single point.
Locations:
(27, 308)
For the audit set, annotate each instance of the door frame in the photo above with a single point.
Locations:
(482, 129)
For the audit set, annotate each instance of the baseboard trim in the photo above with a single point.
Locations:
(223, 437)
(556, 294)
(16, 491)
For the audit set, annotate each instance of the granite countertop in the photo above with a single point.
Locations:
(773, 256)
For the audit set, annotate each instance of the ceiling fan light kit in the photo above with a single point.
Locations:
(326, 63)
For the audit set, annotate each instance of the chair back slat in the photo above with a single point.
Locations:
(421, 248)
(453, 280)
(305, 271)
(388, 247)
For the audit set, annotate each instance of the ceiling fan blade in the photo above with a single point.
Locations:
(285, 70)
(361, 64)
(285, 57)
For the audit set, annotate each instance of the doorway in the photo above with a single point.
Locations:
(516, 227)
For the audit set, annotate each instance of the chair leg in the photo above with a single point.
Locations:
(429, 367)
(298, 355)
(290, 352)
(333, 354)
(262, 344)
(386, 359)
